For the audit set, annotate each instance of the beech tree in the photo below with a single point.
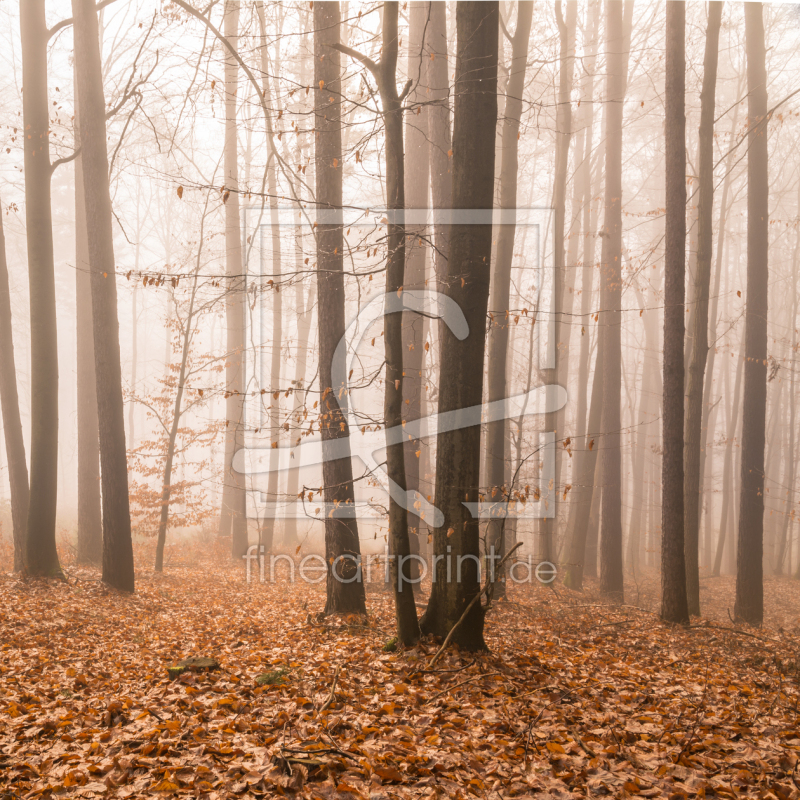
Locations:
(673, 569)
(41, 553)
(12, 425)
(117, 545)
(341, 529)
(467, 283)
(749, 605)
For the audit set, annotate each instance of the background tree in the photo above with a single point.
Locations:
(12, 425)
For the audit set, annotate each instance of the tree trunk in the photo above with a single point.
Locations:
(673, 568)
(439, 137)
(789, 466)
(500, 317)
(385, 74)
(41, 556)
(611, 577)
(417, 184)
(12, 425)
(233, 514)
(90, 523)
(749, 605)
(727, 476)
(117, 544)
(585, 484)
(467, 283)
(341, 532)
(562, 300)
(267, 528)
(702, 280)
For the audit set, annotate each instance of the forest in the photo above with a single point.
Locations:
(398, 399)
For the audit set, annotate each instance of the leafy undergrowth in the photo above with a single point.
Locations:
(576, 698)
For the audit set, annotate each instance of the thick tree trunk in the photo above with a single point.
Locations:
(749, 605)
(500, 317)
(90, 523)
(233, 514)
(611, 577)
(341, 532)
(673, 568)
(12, 425)
(41, 556)
(702, 281)
(117, 544)
(467, 283)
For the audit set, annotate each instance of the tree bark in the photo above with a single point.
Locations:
(727, 476)
(439, 135)
(385, 74)
(702, 280)
(585, 484)
(417, 185)
(562, 300)
(12, 425)
(749, 605)
(233, 514)
(341, 532)
(611, 576)
(41, 555)
(467, 283)
(673, 568)
(117, 545)
(499, 300)
(90, 523)
(267, 528)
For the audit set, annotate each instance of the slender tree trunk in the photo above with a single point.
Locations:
(467, 283)
(673, 568)
(585, 484)
(789, 466)
(267, 532)
(749, 605)
(233, 516)
(41, 556)
(90, 524)
(727, 476)
(117, 545)
(385, 74)
(562, 300)
(500, 317)
(12, 425)
(702, 280)
(177, 411)
(439, 137)
(341, 532)
(611, 577)
(417, 184)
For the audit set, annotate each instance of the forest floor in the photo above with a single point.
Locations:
(576, 698)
